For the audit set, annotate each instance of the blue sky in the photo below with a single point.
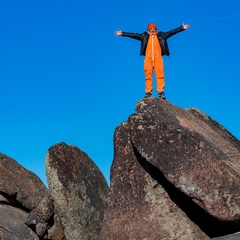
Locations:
(65, 77)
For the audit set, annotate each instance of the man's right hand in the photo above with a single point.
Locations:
(118, 32)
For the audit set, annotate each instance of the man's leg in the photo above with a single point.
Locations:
(148, 75)
(159, 71)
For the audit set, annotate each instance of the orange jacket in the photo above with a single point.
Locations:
(153, 48)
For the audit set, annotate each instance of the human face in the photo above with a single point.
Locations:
(153, 31)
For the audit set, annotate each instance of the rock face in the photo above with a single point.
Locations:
(173, 169)
(140, 207)
(195, 153)
(19, 186)
(12, 224)
(24, 214)
(79, 191)
(175, 175)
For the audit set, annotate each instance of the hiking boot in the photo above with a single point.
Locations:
(162, 96)
(148, 95)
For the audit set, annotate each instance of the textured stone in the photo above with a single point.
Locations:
(190, 166)
(79, 191)
(19, 187)
(56, 232)
(12, 224)
(40, 217)
(140, 208)
(194, 152)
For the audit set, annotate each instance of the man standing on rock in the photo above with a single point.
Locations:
(153, 47)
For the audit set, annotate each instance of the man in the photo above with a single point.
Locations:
(153, 47)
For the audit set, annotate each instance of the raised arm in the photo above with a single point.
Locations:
(176, 30)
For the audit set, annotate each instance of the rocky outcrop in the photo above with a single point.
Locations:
(12, 224)
(193, 152)
(140, 207)
(19, 187)
(175, 175)
(194, 164)
(72, 207)
(79, 191)
(44, 221)
(25, 203)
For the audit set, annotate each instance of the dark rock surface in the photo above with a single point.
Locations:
(194, 153)
(40, 216)
(19, 187)
(26, 207)
(12, 224)
(56, 232)
(193, 158)
(175, 175)
(79, 191)
(140, 207)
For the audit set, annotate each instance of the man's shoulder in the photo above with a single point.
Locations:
(160, 33)
(143, 34)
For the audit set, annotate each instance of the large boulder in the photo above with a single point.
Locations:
(194, 164)
(140, 207)
(79, 191)
(19, 187)
(26, 204)
(12, 224)
(194, 152)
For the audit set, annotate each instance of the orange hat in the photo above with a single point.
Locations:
(151, 25)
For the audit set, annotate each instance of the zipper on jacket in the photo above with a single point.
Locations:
(153, 50)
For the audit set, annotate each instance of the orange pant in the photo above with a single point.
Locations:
(158, 68)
